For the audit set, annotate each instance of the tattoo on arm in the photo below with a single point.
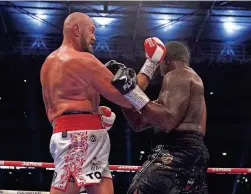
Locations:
(173, 101)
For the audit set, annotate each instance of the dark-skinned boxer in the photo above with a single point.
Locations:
(178, 163)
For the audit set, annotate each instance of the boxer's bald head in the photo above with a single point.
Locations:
(79, 30)
(177, 54)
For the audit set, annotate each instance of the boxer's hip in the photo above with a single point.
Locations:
(184, 147)
(80, 147)
(77, 131)
(178, 163)
(72, 121)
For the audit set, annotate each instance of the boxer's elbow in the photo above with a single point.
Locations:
(167, 122)
(138, 126)
(141, 128)
(135, 120)
(162, 117)
(135, 127)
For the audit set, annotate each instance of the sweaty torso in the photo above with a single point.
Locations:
(62, 87)
(194, 118)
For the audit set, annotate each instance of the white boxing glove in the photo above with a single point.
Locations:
(108, 117)
(155, 52)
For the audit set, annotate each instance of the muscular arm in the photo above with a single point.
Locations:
(173, 101)
(99, 77)
(143, 81)
(137, 121)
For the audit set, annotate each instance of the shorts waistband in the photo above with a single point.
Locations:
(77, 121)
(179, 139)
(76, 112)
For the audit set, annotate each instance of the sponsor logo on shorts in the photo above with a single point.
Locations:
(35, 164)
(222, 169)
(64, 134)
(95, 164)
(92, 138)
(1, 162)
(93, 175)
(249, 170)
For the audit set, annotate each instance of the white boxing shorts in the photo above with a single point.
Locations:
(80, 147)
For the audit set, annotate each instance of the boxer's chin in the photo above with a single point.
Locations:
(90, 49)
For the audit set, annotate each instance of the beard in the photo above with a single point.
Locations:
(88, 49)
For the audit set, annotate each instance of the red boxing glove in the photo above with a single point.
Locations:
(104, 110)
(108, 117)
(155, 52)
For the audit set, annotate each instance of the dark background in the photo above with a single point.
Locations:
(29, 31)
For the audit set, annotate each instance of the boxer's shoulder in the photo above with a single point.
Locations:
(178, 75)
(84, 58)
(182, 74)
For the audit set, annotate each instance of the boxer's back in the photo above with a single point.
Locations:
(194, 118)
(63, 88)
(196, 109)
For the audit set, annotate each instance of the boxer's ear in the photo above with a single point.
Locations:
(76, 30)
(167, 63)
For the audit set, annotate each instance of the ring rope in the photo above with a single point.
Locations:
(118, 168)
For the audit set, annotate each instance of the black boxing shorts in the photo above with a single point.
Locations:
(177, 165)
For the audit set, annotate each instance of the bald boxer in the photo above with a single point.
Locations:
(72, 81)
(178, 163)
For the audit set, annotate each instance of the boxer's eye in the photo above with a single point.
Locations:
(92, 29)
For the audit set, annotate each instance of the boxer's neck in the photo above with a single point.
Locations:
(178, 64)
(71, 41)
(73, 44)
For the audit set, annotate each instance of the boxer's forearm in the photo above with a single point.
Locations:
(135, 119)
(143, 81)
(159, 116)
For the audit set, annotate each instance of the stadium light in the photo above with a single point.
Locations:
(229, 25)
(103, 21)
(40, 15)
(142, 152)
(165, 21)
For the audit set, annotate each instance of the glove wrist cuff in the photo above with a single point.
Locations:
(137, 97)
(148, 68)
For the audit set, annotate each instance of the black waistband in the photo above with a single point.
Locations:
(179, 139)
(76, 112)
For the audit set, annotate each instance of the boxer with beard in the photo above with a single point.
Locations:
(72, 81)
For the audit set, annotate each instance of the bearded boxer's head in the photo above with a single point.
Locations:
(177, 54)
(79, 30)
